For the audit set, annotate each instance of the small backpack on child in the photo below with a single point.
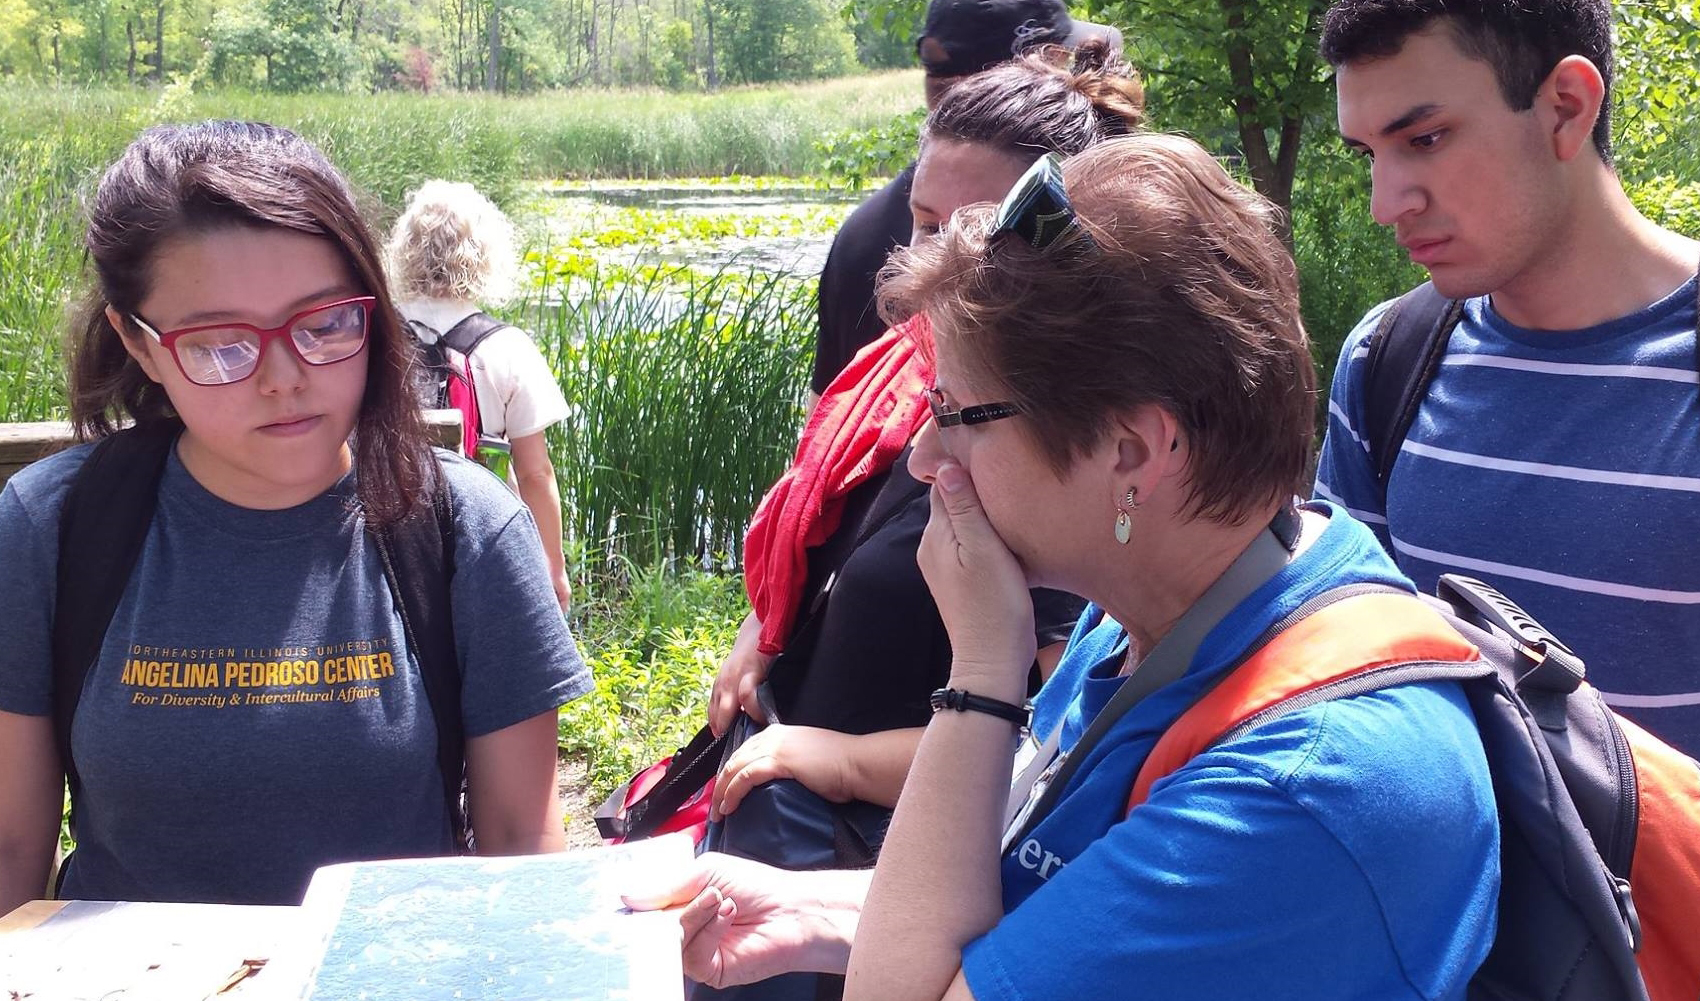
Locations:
(446, 363)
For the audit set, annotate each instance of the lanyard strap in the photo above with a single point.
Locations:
(1037, 787)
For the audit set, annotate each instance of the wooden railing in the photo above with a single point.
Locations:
(22, 444)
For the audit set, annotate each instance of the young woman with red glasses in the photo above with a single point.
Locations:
(255, 710)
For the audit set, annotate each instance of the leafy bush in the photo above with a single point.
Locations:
(654, 640)
(1347, 263)
(1669, 202)
(859, 155)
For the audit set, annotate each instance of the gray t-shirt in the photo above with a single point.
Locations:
(255, 713)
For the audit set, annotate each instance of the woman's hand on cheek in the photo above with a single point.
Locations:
(979, 587)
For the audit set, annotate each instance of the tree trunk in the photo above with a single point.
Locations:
(713, 78)
(595, 24)
(159, 43)
(1254, 137)
(130, 33)
(613, 68)
(494, 34)
(460, 44)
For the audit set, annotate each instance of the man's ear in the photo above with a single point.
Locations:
(135, 345)
(1571, 98)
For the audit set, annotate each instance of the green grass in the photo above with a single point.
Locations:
(390, 142)
(39, 257)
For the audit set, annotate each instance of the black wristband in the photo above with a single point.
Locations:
(961, 701)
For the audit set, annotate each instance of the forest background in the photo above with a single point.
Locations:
(635, 141)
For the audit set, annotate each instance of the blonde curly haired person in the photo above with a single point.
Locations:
(451, 252)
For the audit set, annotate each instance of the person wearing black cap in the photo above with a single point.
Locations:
(958, 38)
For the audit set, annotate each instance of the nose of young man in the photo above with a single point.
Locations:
(1394, 197)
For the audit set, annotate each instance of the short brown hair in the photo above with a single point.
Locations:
(1184, 297)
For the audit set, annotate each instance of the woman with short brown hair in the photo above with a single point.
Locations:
(1122, 409)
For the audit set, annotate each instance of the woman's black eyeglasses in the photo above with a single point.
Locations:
(981, 413)
(1037, 210)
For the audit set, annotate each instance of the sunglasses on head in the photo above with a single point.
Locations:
(1037, 210)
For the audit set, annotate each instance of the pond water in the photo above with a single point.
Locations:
(775, 225)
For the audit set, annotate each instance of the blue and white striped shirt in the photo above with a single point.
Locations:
(1562, 467)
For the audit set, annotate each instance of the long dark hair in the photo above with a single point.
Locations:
(179, 180)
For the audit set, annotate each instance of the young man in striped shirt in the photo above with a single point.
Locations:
(1554, 452)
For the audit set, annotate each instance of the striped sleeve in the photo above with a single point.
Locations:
(1345, 473)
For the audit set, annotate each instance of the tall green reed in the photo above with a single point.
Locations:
(39, 257)
(685, 393)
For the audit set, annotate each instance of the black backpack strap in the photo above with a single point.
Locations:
(103, 525)
(692, 767)
(423, 332)
(466, 335)
(1403, 357)
(417, 554)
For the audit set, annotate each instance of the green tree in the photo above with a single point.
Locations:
(1657, 106)
(766, 40)
(677, 68)
(17, 31)
(1242, 74)
(884, 31)
(288, 45)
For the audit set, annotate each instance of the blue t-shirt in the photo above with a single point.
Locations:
(1349, 850)
(255, 712)
(1560, 467)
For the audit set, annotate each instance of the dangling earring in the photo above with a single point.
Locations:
(1124, 521)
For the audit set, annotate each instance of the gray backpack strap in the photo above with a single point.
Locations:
(1163, 664)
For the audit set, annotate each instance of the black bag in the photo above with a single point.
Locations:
(439, 383)
(434, 346)
(781, 823)
(784, 824)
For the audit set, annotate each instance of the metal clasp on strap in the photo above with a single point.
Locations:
(1626, 910)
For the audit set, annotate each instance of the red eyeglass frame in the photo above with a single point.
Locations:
(168, 339)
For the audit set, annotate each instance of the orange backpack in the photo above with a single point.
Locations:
(1599, 820)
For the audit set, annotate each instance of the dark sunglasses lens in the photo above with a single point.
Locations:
(1037, 211)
